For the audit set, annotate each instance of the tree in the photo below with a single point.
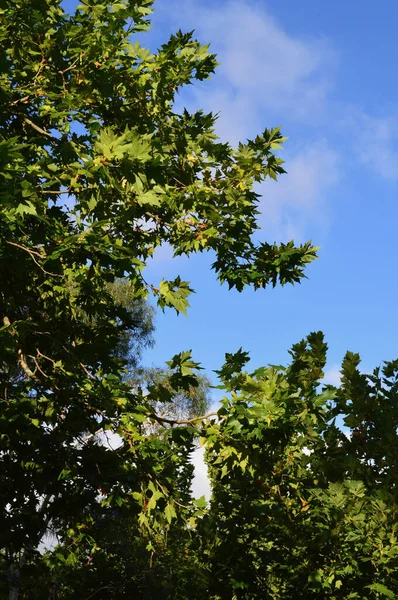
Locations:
(172, 406)
(301, 509)
(87, 116)
(139, 337)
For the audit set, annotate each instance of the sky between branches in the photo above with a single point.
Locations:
(325, 73)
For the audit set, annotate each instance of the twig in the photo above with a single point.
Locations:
(168, 409)
(21, 358)
(44, 356)
(38, 368)
(91, 435)
(180, 182)
(39, 129)
(25, 248)
(44, 270)
(96, 409)
(89, 375)
(107, 439)
(163, 488)
(32, 253)
(25, 366)
(179, 504)
(87, 372)
(181, 421)
(62, 73)
(41, 67)
(105, 587)
(152, 216)
(71, 66)
(55, 191)
(24, 99)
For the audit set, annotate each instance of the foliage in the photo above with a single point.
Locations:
(300, 508)
(139, 336)
(170, 406)
(96, 172)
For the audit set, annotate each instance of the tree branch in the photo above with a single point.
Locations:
(181, 421)
(25, 366)
(25, 248)
(105, 587)
(179, 182)
(32, 254)
(72, 66)
(87, 372)
(23, 100)
(38, 368)
(55, 191)
(39, 129)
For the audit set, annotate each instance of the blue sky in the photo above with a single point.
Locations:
(323, 72)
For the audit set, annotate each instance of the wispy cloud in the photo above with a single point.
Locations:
(262, 67)
(299, 197)
(267, 76)
(375, 142)
(333, 375)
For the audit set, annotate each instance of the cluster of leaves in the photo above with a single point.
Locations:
(96, 171)
(302, 508)
(171, 406)
(139, 336)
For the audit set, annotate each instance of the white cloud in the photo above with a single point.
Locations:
(333, 376)
(299, 197)
(264, 70)
(296, 200)
(261, 68)
(376, 142)
(200, 483)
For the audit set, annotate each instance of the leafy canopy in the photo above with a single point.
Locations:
(300, 507)
(97, 170)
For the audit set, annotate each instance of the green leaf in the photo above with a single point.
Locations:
(201, 502)
(174, 294)
(184, 363)
(150, 197)
(110, 145)
(143, 520)
(156, 494)
(139, 148)
(27, 208)
(170, 512)
(382, 589)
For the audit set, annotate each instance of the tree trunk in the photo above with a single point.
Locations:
(14, 574)
(13, 578)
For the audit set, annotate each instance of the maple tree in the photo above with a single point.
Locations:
(304, 490)
(97, 171)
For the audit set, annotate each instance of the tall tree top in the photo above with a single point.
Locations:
(88, 114)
